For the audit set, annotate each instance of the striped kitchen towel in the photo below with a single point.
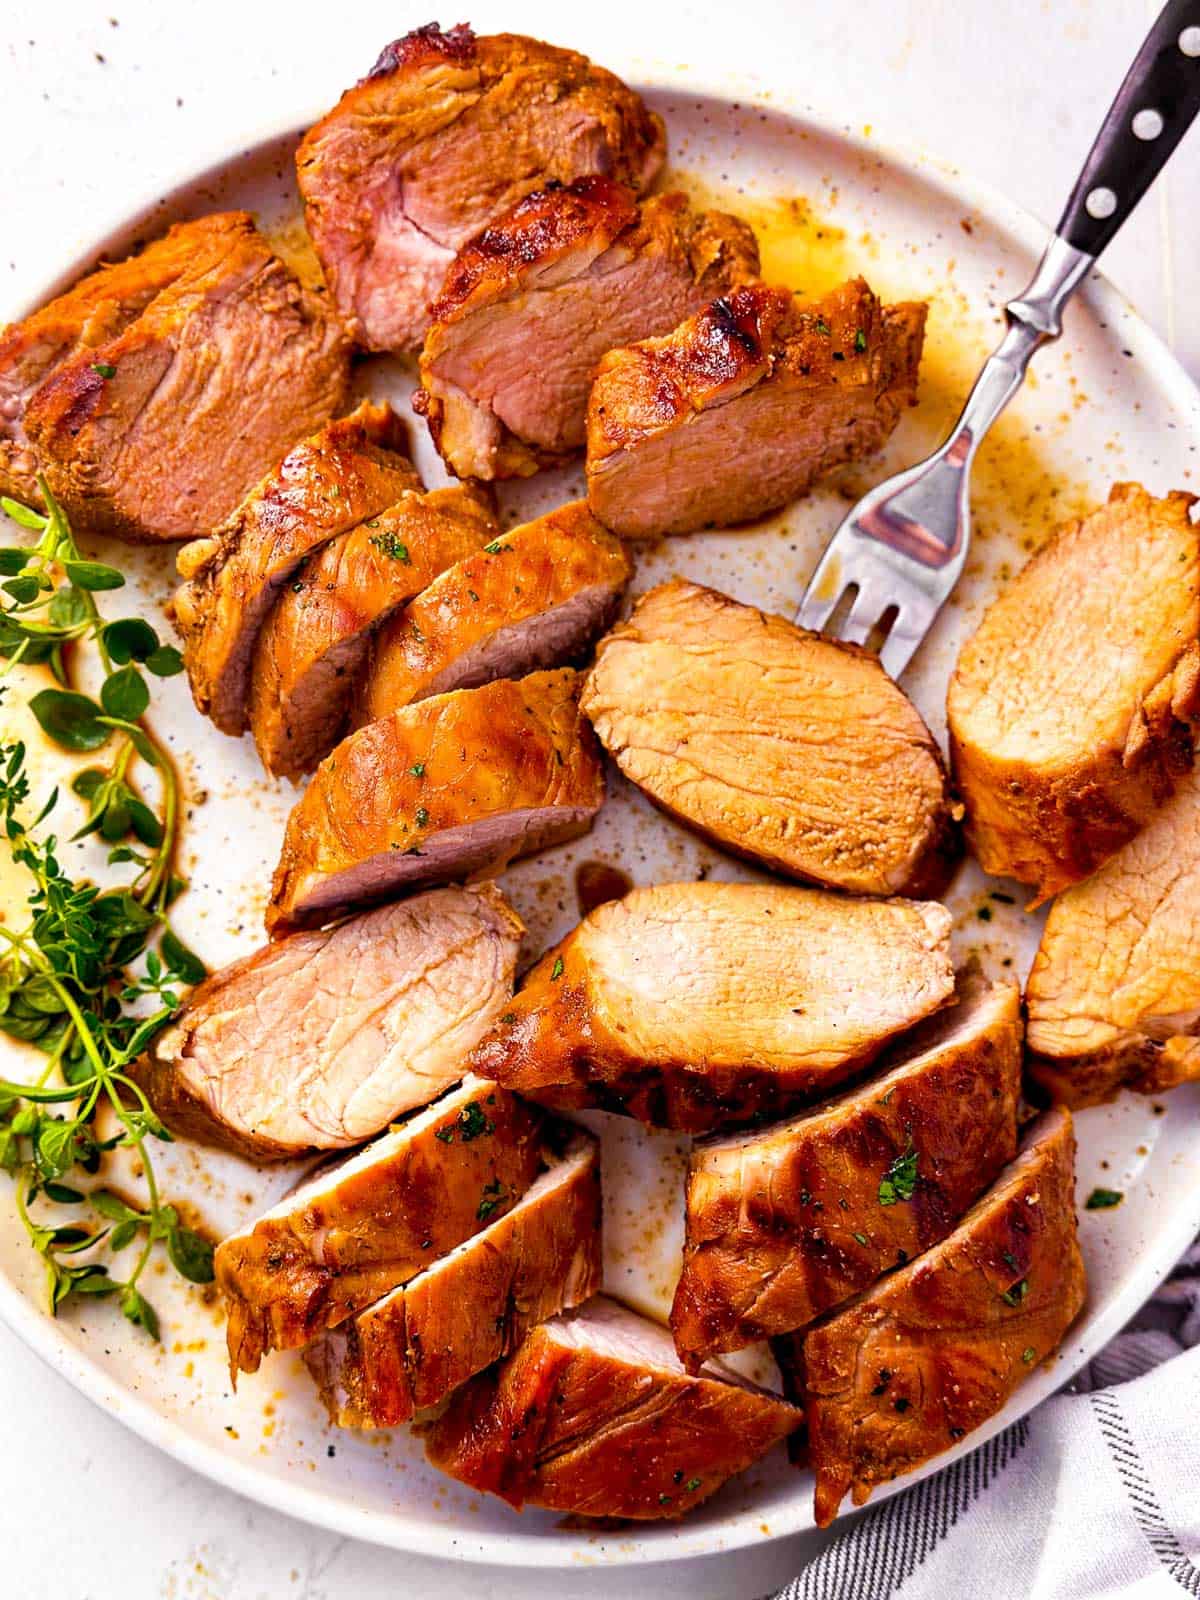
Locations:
(1094, 1496)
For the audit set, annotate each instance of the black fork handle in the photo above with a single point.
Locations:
(1154, 108)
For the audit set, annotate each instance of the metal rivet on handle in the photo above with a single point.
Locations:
(1147, 124)
(1189, 41)
(1101, 203)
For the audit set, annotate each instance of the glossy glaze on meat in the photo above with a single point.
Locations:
(1114, 994)
(745, 406)
(1073, 708)
(786, 1221)
(422, 1341)
(532, 599)
(939, 1347)
(320, 1040)
(793, 750)
(348, 471)
(697, 1005)
(594, 1415)
(157, 432)
(356, 1230)
(446, 132)
(456, 785)
(310, 654)
(530, 306)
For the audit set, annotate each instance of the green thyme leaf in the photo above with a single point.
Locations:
(70, 719)
(899, 1182)
(1103, 1199)
(93, 575)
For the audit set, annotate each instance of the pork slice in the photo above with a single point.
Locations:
(938, 1347)
(349, 470)
(594, 1415)
(1114, 994)
(311, 650)
(98, 308)
(745, 406)
(445, 133)
(793, 750)
(158, 432)
(414, 1347)
(321, 1039)
(458, 784)
(1073, 708)
(533, 599)
(530, 306)
(357, 1229)
(692, 1005)
(785, 1222)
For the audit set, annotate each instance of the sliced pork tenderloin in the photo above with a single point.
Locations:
(530, 306)
(746, 406)
(594, 1415)
(785, 1222)
(938, 1347)
(352, 1232)
(535, 598)
(1114, 995)
(319, 1040)
(795, 751)
(446, 132)
(158, 432)
(98, 308)
(311, 650)
(422, 1341)
(1073, 708)
(693, 1005)
(350, 470)
(456, 785)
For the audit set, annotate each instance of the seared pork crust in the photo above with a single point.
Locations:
(91, 313)
(310, 652)
(745, 406)
(320, 1040)
(527, 601)
(1072, 711)
(1114, 995)
(444, 134)
(458, 784)
(784, 1222)
(157, 432)
(530, 306)
(938, 1347)
(354, 1231)
(593, 1415)
(695, 1005)
(792, 750)
(411, 1349)
(350, 470)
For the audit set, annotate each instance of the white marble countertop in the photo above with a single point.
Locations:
(104, 101)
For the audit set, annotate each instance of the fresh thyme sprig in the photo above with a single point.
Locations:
(80, 981)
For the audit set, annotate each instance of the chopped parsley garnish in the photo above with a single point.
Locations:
(493, 1196)
(474, 1122)
(900, 1180)
(692, 1485)
(509, 1016)
(822, 325)
(1029, 1355)
(495, 548)
(556, 971)
(860, 341)
(422, 817)
(446, 1135)
(1014, 1296)
(1103, 1199)
(395, 549)
(104, 370)
(417, 769)
(861, 1237)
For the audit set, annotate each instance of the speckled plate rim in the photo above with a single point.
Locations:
(527, 1549)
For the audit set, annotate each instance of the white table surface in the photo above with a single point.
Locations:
(103, 101)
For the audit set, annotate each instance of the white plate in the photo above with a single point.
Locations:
(1108, 402)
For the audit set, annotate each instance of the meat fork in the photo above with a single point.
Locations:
(901, 549)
